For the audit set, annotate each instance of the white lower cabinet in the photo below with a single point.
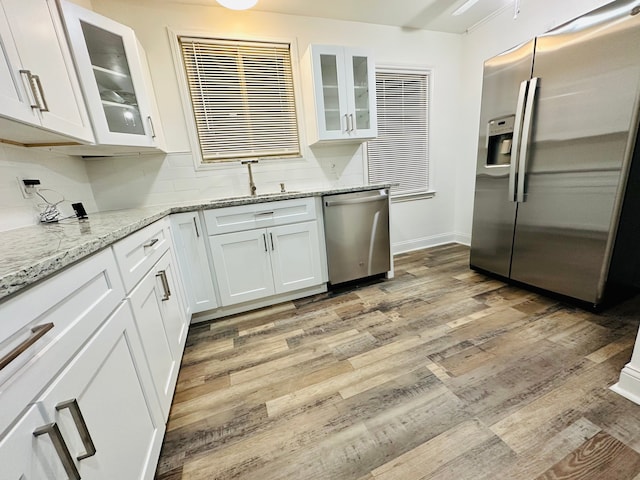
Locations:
(191, 251)
(95, 421)
(254, 264)
(162, 326)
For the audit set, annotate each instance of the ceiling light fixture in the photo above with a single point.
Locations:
(462, 8)
(238, 4)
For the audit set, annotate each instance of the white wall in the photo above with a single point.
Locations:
(66, 175)
(134, 181)
(495, 36)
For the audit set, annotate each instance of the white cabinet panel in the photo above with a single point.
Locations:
(21, 456)
(138, 252)
(190, 242)
(76, 300)
(242, 266)
(259, 215)
(257, 263)
(345, 99)
(113, 72)
(162, 326)
(42, 73)
(104, 380)
(295, 256)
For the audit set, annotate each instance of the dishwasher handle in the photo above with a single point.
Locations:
(352, 201)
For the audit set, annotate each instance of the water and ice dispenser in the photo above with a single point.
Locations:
(499, 141)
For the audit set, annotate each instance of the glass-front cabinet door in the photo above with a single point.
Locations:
(361, 78)
(344, 87)
(113, 78)
(111, 67)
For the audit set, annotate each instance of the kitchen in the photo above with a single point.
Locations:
(139, 180)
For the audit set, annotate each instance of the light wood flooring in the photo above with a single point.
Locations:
(440, 373)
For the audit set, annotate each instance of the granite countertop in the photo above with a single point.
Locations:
(30, 254)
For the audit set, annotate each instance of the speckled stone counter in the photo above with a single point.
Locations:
(30, 254)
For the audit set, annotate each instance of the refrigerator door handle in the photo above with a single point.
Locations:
(517, 131)
(526, 137)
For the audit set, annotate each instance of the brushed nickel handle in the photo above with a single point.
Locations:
(153, 130)
(45, 106)
(81, 426)
(346, 122)
(264, 239)
(526, 138)
(151, 243)
(195, 224)
(271, 237)
(352, 123)
(32, 86)
(37, 333)
(61, 448)
(262, 214)
(165, 284)
(517, 132)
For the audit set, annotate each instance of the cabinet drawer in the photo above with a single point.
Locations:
(259, 215)
(138, 252)
(49, 323)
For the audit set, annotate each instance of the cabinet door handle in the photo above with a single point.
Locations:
(151, 243)
(81, 426)
(37, 333)
(271, 237)
(195, 224)
(264, 239)
(151, 127)
(61, 448)
(351, 123)
(45, 106)
(165, 284)
(346, 122)
(32, 86)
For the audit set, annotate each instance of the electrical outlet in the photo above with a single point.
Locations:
(28, 186)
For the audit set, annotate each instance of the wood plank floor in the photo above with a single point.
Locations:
(440, 373)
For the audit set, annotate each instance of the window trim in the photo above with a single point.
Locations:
(431, 191)
(187, 108)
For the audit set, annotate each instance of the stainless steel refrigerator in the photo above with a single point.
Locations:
(556, 200)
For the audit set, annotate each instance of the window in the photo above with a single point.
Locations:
(400, 154)
(242, 97)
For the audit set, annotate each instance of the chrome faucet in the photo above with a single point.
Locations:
(252, 185)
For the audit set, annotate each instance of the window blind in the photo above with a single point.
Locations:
(243, 98)
(400, 153)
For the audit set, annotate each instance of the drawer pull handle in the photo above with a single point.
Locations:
(165, 284)
(45, 106)
(151, 243)
(195, 224)
(61, 449)
(262, 214)
(32, 86)
(81, 426)
(37, 333)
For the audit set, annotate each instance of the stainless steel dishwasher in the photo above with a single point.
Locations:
(356, 228)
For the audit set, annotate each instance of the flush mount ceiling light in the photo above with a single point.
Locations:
(238, 4)
(462, 8)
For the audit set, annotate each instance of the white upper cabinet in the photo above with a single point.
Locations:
(344, 92)
(38, 83)
(115, 80)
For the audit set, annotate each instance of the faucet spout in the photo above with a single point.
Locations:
(252, 185)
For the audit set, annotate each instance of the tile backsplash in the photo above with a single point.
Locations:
(125, 182)
(66, 175)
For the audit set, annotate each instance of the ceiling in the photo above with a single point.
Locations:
(421, 14)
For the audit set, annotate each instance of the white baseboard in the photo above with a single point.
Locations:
(422, 243)
(463, 239)
(629, 384)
